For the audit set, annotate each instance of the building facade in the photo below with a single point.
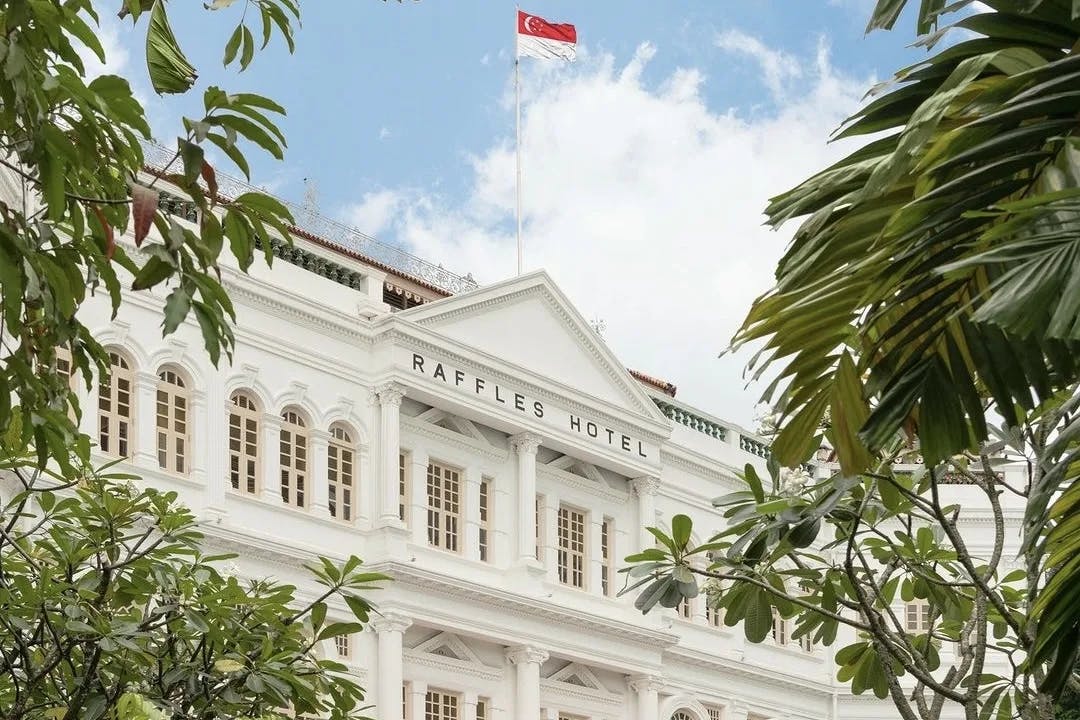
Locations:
(485, 450)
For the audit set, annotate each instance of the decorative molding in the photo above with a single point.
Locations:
(581, 673)
(455, 439)
(480, 361)
(582, 694)
(526, 443)
(390, 394)
(698, 464)
(647, 485)
(448, 640)
(526, 654)
(638, 683)
(758, 673)
(391, 622)
(514, 603)
(456, 667)
(599, 489)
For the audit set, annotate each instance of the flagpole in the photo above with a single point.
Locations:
(517, 132)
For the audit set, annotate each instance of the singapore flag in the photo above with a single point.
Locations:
(538, 38)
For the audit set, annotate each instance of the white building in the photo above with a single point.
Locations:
(487, 451)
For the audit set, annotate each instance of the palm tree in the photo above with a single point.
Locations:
(935, 279)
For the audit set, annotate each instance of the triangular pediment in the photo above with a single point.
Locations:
(450, 646)
(529, 322)
(576, 674)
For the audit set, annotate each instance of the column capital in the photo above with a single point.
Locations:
(646, 485)
(525, 443)
(319, 435)
(639, 683)
(391, 622)
(146, 377)
(526, 654)
(390, 393)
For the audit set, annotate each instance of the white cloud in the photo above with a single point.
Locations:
(777, 67)
(644, 203)
(384, 133)
(372, 215)
(116, 55)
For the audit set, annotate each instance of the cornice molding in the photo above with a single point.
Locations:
(758, 673)
(461, 442)
(401, 336)
(457, 667)
(601, 697)
(455, 587)
(697, 463)
(580, 483)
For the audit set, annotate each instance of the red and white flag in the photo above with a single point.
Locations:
(538, 38)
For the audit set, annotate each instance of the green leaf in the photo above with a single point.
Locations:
(170, 71)
(153, 272)
(681, 528)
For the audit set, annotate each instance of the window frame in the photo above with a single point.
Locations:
(341, 472)
(111, 423)
(921, 609)
(295, 465)
(607, 557)
(445, 533)
(442, 699)
(404, 480)
(248, 464)
(566, 552)
(173, 446)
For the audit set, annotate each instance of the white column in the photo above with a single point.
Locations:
(471, 513)
(527, 683)
(647, 688)
(549, 714)
(646, 488)
(270, 457)
(525, 445)
(216, 422)
(468, 705)
(417, 700)
(390, 628)
(390, 440)
(199, 433)
(143, 439)
(318, 473)
(416, 510)
(549, 518)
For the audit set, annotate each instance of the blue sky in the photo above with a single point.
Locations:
(647, 162)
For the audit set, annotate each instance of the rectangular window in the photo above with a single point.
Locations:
(341, 643)
(917, 616)
(779, 629)
(713, 616)
(607, 557)
(444, 507)
(571, 547)
(481, 709)
(440, 705)
(806, 642)
(403, 488)
(485, 519)
(686, 609)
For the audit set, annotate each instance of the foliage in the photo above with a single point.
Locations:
(932, 282)
(75, 143)
(837, 555)
(109, 608)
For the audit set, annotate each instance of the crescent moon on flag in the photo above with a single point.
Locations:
(528, 20)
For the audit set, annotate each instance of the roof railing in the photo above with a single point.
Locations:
(336, 233)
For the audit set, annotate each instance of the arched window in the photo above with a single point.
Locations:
(341, 472)
(682, 715)
(114, 407)
(173, 405)
(294, 446)
(243, 443)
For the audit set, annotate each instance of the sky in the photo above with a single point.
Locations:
(646, 164)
